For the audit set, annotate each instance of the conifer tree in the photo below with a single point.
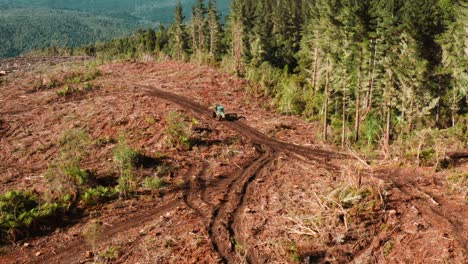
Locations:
(178, 33)
(454, 45)
(200, 19)
(193, 28)
(237, 35)
(214, 28)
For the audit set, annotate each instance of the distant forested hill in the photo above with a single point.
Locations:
(31, 24)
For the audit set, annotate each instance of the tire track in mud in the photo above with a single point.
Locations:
(75, 250)
(321, 156)
(222, 226)
(234, 227)
(192, 193)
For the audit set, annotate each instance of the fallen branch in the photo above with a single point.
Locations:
(354, 154)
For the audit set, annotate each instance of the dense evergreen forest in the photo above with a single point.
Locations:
(32, 24)
(375, 73)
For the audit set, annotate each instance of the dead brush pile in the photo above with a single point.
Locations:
(339, 222)
(314, 215)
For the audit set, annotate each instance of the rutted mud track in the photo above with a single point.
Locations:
(223, 221)
(223, 227)
(219, 213)
(220, 219)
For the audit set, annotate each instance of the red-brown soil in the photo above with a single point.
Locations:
(259, 190)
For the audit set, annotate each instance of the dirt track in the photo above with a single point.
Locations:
(223, 225)
(217, 206)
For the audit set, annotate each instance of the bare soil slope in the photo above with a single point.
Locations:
(260, 189)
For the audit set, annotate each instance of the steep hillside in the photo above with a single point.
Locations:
(124, 163)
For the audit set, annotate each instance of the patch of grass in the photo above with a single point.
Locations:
(68, 90)
(87, 87)
(180, 183)
(65, 175)
(295, 256)
(150, 119)
(111, 253)
(82, 76)
(41, 85)
(458, 182)
(153, 183)
(348, 196)
(387, 248)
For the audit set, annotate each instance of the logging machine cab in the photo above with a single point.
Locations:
(219, 112)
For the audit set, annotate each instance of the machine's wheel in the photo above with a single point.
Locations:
(214, 114)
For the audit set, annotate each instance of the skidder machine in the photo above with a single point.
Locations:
(219, 112)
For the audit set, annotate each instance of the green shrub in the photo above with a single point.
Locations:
(21, 211)
(288, 96)
(265, 77)
(17, 209)
(111, 253)
(66, 91)
(87, 87)
(124, 156)
(47, 85)
(125, 159)
(178, 130)
(100, 194)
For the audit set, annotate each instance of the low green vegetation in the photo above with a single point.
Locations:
(110, 253)
(387, 248)
(178, 130)
(76, 82)
(72, 187)
(65, 175)
(458, 182)
(153, 183)
(92, 233)
(98, 195)
(77, 77)
(429, 147)
(125, 160)
(22, 211)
